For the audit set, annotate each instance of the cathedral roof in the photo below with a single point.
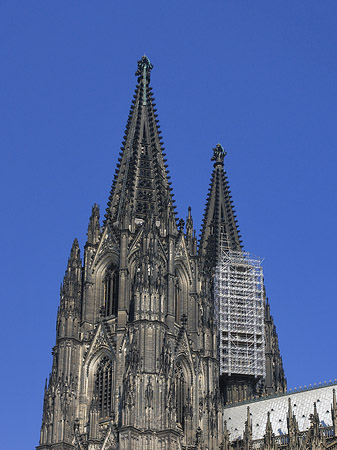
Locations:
(219, 225)
(302, 406)
(141, 183)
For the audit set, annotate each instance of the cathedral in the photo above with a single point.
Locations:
(165, 341)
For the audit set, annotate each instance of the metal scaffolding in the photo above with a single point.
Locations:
(239, 301)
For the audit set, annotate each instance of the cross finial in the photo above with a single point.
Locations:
(218, 154)
(144, 68)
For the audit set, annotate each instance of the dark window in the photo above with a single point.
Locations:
(177, 301)
(111, 293)
(104, 388)
(180, 398)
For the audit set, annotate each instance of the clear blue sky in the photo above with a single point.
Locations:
(257, 76)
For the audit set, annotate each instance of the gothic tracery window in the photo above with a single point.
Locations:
(177, 301)
(104, 387)
(111, 292)
(180, 397)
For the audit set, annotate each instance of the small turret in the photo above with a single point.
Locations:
(334, 412)
(248, 433)
(190, 234)
(225, 445)
(275, 377)
(70, 301)
(94, 226)
(269, 443)
(315, 439)
(293, 431)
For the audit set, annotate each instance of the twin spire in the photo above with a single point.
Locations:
(219, 228)
(141, 184)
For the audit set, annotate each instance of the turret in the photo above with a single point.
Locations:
(334, 412)
(70, 302)
(268, 439)
(275, 378)
(94, 226)
(315, 439)
(293, 431)
(190, 234)
(248, 433)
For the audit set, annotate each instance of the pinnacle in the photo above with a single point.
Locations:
(144, 68)
(219, 154)
(75, 243)
(75, 251)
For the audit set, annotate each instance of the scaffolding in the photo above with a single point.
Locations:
(239, 303)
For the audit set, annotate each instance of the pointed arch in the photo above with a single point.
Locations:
(100, 384)
(110, 291)
(181, 291)
(103, 387)
(183, 389)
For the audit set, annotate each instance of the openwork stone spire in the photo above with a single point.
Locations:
(141, 184)
(219, 225)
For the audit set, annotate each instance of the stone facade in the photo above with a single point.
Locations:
(135, 365)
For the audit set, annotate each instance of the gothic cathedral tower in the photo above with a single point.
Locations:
(135, 365)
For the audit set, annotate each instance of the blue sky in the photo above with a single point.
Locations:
(257, 76)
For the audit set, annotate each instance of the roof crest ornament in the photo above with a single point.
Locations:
(219, 154)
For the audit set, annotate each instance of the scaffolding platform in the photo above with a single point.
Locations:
(239, 303)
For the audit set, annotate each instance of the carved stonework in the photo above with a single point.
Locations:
(136, 361)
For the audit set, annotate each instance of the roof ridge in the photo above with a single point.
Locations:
(283, 394)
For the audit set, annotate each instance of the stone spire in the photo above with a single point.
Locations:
(219, 221)
(94, 226)
(315, 439)
(68, 317)
(141, 184)
(60, 392)
(225, 445)
(334, 412)
(190, 234)
(293, 431)
(248, 433)
(269, 443)
(275, 380)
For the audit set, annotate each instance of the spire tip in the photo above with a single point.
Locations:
(219, 154)
(144, 68)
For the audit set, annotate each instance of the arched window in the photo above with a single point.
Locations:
(111, 292)
(177, 300)
(104, 387)
(180, 397)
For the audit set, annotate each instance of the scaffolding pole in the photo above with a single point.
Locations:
(239, 303)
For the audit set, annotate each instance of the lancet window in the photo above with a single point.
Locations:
(180, 397)
(111, 292)
(177, 301)
(104, 387)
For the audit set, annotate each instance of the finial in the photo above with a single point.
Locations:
(218, 154)
(144, 68)
(75, 250)
(181, 225)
